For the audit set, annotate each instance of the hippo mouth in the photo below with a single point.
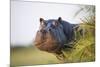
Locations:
(44, 36)
(46, 41)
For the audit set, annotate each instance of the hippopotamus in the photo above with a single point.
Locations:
(53, 34)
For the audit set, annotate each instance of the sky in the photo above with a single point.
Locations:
(25, 18)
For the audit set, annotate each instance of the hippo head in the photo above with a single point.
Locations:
(50, 36)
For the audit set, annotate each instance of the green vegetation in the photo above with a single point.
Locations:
(31, 55)
(83, 51)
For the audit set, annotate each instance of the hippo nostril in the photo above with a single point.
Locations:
(40, 30)
(43, 31)
(49, 29)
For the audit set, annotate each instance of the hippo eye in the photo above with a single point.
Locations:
(54, 23)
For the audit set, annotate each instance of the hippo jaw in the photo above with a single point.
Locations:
(45, 41)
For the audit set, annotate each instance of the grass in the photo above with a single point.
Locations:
(31, 56)
(84, 51)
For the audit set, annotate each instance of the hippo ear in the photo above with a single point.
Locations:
(42, 21)
(59, 19)
(55, 23)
